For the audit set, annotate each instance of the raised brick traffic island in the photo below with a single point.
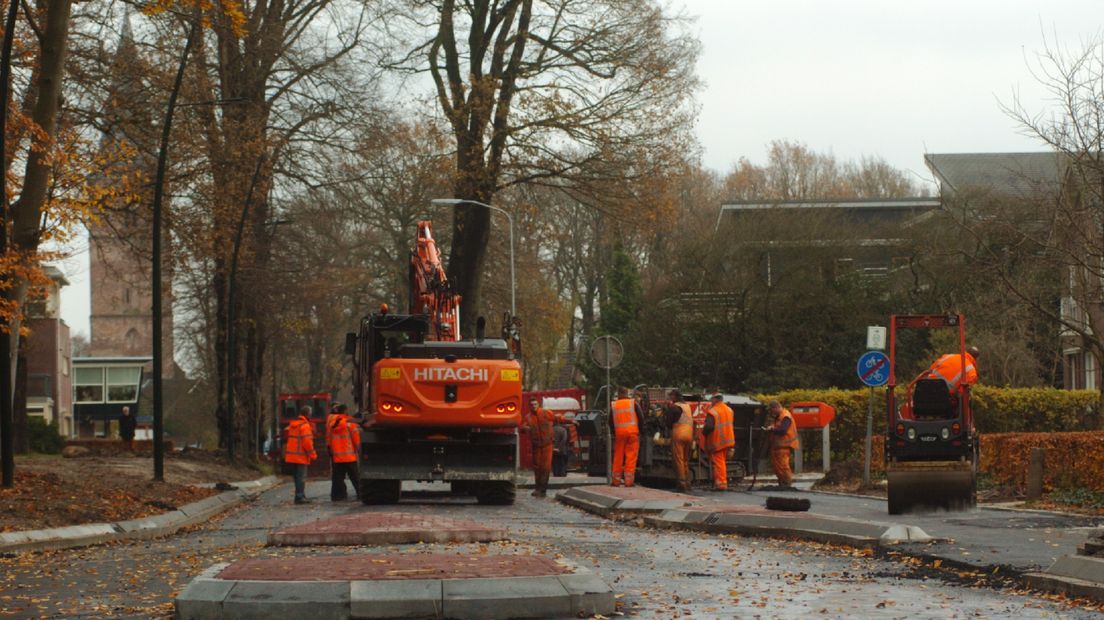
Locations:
(385, 528)
(414, 585)
(391, 566)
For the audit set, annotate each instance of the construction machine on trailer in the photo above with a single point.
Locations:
(931, 447)
(436, 407)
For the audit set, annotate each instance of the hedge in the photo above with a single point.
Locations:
(996, 410)
(1073, 460)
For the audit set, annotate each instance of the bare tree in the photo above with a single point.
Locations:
(1064, 230)
(569, 92)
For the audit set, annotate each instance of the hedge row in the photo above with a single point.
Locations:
(1073, 460)
(996, 410)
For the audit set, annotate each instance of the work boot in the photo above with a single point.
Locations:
(535, 493)
(542, 493)
(302, 500)
(615, 483)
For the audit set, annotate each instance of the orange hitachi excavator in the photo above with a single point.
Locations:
(436, 407)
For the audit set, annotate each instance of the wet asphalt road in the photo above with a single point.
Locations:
(983, 538)
(657, 574)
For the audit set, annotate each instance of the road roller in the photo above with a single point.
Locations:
(931, 447)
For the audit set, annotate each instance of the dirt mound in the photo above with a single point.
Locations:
(842, 473)
(55, 491)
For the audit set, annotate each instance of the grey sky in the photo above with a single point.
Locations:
(874, 77)
(853, 77)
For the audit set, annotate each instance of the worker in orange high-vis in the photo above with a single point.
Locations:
(681, 421)
(343, 439)
(626, 439)
(299, 451)
(719, 439)
(783, 438)
(957, 371)
(541, 421)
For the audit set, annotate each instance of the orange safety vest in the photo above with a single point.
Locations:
(789, 440)
(686, 418)
(540, 427)
(624, 417)
(950, 368)
(342, 437)
(723, 436)
(299, 448)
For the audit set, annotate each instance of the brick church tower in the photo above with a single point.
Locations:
(119, 243)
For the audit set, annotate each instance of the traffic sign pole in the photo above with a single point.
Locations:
(873, 371)
(869, 438)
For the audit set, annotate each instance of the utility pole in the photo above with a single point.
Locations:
(158, 193)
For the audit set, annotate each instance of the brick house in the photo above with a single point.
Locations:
(48, 358)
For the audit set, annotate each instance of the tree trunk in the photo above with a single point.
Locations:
(26, 212)
(22, 433)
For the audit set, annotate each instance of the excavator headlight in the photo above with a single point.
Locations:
(386, 406)
(511, 407)
(900, 430)
(911, 434)
(501, 408)
(945, 433)
(397, 407)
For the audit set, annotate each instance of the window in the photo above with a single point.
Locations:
(122, 384)
(88, 385)
(131, 341)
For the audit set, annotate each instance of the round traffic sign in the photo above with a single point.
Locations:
(873, 368)
(607, 352)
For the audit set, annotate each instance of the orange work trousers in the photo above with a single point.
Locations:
(625, 450)
(682, 437)
(720, 469)
(542, 465)
(780, 460)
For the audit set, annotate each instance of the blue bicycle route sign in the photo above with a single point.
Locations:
(873, 368)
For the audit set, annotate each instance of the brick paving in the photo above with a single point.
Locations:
(377, 528)
(374, 567)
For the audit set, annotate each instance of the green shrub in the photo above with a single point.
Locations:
(43, 436)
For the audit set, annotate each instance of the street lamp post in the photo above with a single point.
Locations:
(513, 281)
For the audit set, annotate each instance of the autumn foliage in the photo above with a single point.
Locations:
(1073, 460)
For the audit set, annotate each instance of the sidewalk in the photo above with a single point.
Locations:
(149, 527)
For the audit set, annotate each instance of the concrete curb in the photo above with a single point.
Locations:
(1074, 575)
(817, 528)
(578, 594)
(701, 517)
(605, 505)
(134, 529)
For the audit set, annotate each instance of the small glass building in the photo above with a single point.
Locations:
(102, 386)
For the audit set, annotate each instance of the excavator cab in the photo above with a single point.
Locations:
(931, 444)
